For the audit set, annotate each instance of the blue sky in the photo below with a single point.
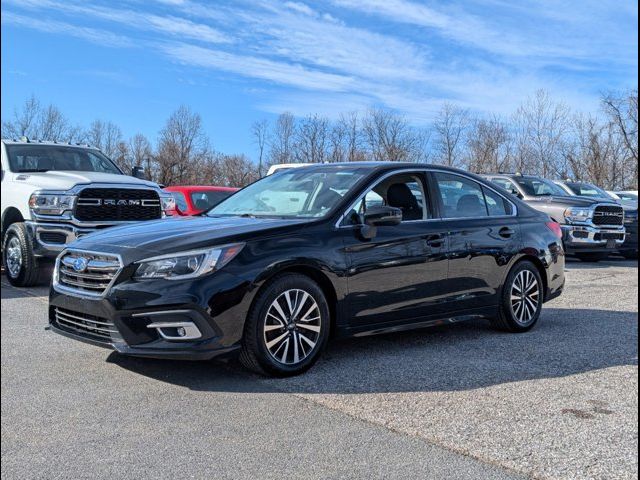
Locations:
(133, 62)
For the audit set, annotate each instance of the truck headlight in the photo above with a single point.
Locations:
(577, 215)
(183, 265)
(51, 203)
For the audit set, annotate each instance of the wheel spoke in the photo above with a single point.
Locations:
(276, 340)
(278, 308)
(313, 328)
(300, 304)
(270, 328)
(309, 342)
(304, 317)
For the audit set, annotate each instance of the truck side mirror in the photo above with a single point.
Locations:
(138, 172)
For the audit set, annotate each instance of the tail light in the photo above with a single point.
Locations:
(555, 228)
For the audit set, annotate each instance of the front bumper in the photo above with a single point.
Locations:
(579, 238)
(49, 239)
(123, 320)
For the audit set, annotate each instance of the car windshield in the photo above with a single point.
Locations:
(588, 190)
(45, 158)
(296, 193)
(539, 187)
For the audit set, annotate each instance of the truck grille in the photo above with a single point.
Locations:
(117, 205)
(609, 215)
(85, 324)
(89, 274)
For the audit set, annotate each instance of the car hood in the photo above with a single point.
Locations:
(178, 234)
(64, 180)
(570, 201)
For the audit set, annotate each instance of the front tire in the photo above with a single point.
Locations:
(592, 257)
(21, 265)
(287, 327)
(522, 298)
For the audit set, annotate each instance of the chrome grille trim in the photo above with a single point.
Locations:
(92, 282)
(74, 321)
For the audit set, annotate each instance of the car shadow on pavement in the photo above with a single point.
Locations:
(615, 262)
(459, 357)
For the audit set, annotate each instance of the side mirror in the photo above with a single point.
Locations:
(379, 216)
(382, 216)
(138, 172)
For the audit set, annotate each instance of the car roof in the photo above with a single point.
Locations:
(384, 165)
(40, 143)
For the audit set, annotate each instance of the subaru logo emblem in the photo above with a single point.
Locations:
(80, 264)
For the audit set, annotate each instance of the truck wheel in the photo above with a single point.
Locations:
(21, 266)
(592, 257)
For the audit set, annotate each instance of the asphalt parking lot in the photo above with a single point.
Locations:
(457, 402)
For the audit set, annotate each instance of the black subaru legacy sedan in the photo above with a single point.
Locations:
(296, 258)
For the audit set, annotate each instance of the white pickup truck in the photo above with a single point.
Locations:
(53, 193)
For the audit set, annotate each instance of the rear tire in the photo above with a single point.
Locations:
(522, 298)
(592, 257)
(287, 327)
(20, 264)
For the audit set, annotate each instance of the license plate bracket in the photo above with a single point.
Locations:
(611, 243)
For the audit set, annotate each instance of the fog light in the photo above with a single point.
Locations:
(177, 330)
(181, 331)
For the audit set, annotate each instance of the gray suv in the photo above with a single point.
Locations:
(593, 228)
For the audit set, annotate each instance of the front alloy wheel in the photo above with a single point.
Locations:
(287, 326)
(292, 327)
(19, 261)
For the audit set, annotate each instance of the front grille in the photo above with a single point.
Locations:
(87, 273)
(85, 324)
(609, 215)
(117, 205)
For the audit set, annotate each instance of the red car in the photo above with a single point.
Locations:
(192, 200)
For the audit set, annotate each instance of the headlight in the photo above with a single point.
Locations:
(183, 265)
(51, 203)
(168, 205)
(577, 214)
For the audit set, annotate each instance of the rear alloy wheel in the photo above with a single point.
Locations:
(522, 299)
(287, 327)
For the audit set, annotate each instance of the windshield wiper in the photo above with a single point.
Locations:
(33, 170)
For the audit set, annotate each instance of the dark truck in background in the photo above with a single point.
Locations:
(592, 228)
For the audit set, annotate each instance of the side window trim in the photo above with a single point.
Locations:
(421, 175)
(438, 197)
(433, 196)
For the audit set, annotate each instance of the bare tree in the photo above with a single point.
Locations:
(235, 171)
(260, 132)
(182, 146)
(311, 139)
(43, 123)
(389, 137)
(350, 123)
(622, 111)
(281, 148)
(489, 146)
(106, 136)
(449, 128)
(542, 126)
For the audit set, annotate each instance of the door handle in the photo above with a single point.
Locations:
(435, 241)
(506, 232)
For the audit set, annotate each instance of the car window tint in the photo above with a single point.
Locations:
(496, 205)
(461, 197)
(181, 201)
(403, 191)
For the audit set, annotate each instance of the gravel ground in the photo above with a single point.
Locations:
(457, 402)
